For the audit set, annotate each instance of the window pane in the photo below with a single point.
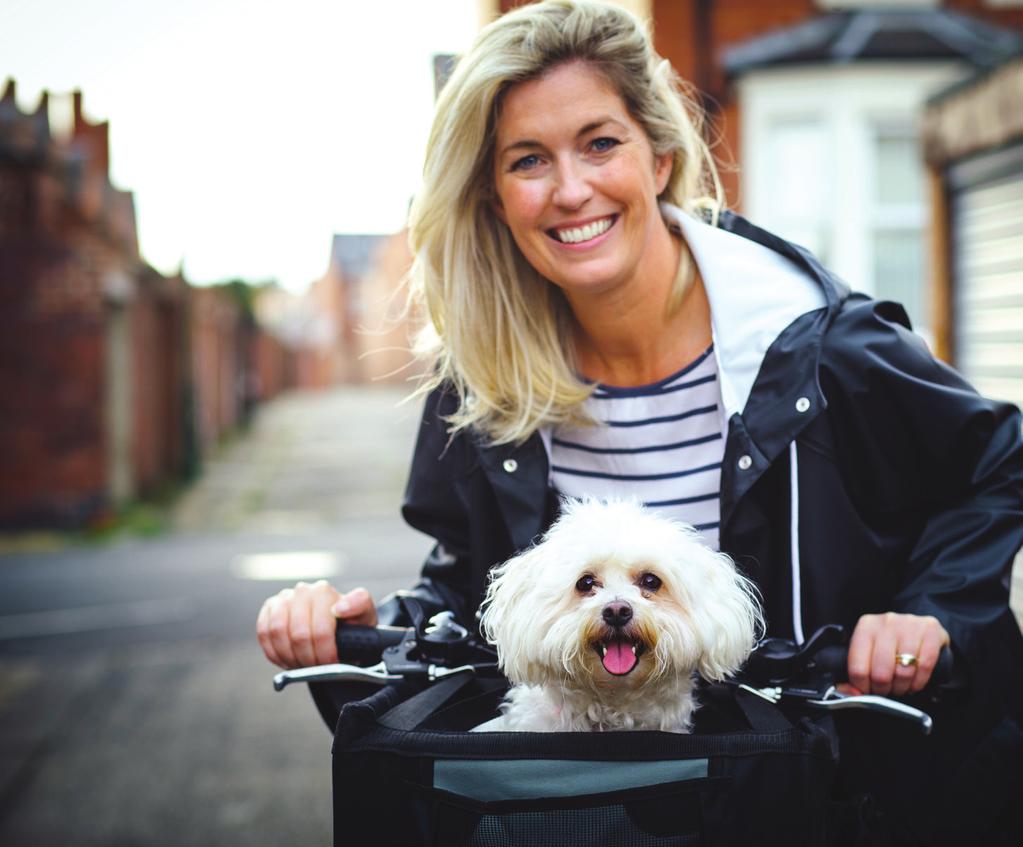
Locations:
(899, 174)
(798, 179)
(899, 273)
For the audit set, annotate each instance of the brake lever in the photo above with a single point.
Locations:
(835, 700)
(377, 674)
(340, 672)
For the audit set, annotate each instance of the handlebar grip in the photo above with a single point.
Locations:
(364, 645)
(835, 662)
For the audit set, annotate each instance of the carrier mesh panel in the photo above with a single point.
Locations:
(609, 826)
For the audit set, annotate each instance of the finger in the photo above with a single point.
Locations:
(905, 675)
(882, 659)
(300, 628)
(861, 647)
(324, 624)
(263, 634)
(934, 639)
(356, 607)
(278, 627)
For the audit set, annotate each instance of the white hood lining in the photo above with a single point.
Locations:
(754, 294)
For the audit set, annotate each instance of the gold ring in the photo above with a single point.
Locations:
(905, 660)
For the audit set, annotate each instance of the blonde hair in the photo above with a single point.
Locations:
(497, 329)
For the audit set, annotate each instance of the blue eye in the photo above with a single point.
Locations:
(603, 144)
(526, 162)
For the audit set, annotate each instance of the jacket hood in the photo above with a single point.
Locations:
(754, 291)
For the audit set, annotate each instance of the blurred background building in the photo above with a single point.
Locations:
(885, 137)
(115, 379)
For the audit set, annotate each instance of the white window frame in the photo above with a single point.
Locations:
(850, 101)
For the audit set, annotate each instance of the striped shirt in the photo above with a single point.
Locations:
(661, 444)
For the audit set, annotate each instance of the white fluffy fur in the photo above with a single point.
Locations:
(704, 618)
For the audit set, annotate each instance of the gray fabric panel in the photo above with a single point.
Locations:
(529, 779)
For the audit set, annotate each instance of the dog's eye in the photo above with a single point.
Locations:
(585, 584)
(649, 582)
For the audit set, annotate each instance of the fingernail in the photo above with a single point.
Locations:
(341, 607)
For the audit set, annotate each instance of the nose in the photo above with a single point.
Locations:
(617, 613)
(572, 189)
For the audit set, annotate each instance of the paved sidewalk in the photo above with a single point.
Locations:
(135, 705)
(309, 462)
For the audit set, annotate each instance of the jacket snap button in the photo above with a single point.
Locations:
(745, 463)
(802, 404)
(510, 465)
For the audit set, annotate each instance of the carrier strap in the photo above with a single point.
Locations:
(762, 715)
(412, 712)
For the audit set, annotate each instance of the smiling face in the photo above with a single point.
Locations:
(577, 181)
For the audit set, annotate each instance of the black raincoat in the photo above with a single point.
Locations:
(861, 472)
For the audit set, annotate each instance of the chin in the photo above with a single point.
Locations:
(609, 620)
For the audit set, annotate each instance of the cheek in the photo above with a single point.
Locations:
(523, 203)
(630, 180)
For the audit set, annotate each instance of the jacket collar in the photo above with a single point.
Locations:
(754, 291)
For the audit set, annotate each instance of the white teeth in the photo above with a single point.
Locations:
(603, 650)
(584, 233)
(633, 649)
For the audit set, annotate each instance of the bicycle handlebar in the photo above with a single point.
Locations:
(834, 661)
(778, 669)
(364, 645)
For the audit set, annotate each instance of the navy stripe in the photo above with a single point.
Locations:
(571, 445)
(702, 410)
(654, 387)
(652, 391)
(702, 526)
(600, 475)
(684, 500)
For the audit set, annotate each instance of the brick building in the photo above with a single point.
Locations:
(113, 378)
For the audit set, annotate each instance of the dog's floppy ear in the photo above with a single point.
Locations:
(512, 633)
(726, 615)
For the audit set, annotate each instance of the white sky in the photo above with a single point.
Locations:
(249, 132)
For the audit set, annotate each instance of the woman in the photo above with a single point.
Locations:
(596, 325)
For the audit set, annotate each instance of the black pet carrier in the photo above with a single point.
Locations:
(406, 772)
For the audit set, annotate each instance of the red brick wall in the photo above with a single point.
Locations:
(157, 317)
(51, 356)
(272, 364)
(215, 328)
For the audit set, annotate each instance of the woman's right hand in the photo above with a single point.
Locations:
(296, 626)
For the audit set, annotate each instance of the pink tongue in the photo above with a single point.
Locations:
(619, 658)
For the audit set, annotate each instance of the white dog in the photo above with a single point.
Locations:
(604, 624)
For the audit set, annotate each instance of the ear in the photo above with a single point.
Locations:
(726, 616)
(662, 171)
(506, 620)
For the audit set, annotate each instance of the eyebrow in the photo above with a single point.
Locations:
(528, 143)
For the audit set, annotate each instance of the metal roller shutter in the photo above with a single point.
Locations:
(987, 244)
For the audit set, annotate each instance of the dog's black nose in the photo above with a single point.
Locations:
(617, 613)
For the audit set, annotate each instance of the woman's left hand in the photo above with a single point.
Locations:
(879, 640)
